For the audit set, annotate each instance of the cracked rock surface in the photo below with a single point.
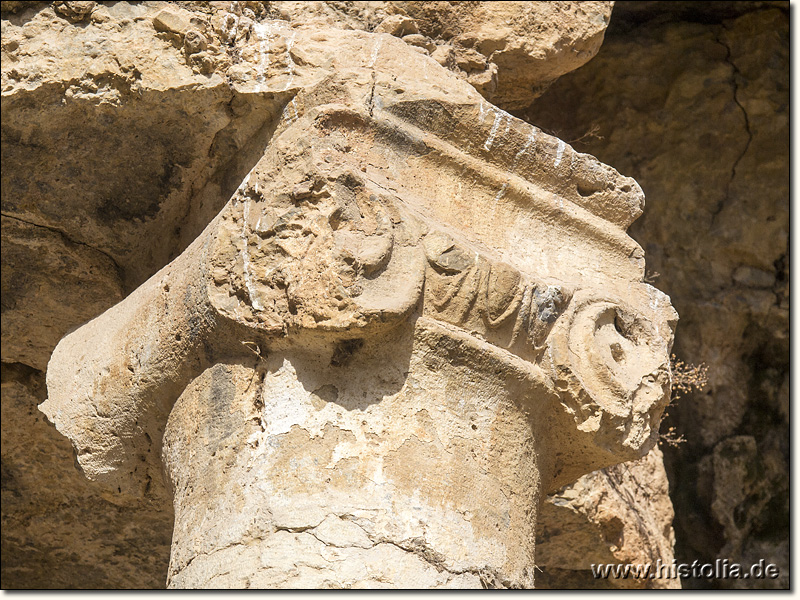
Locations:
(692, 99)
(140, 93)
(58, 530)
(621, 514)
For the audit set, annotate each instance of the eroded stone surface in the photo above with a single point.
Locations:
(509, 51)
(58, 530)
(163, 136)
(49, 284)
(217, 148)
(630, 513)
(119, 121)
(352, 237)
(709, 145)
(512, 51)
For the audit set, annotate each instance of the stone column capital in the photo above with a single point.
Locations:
(387, 212)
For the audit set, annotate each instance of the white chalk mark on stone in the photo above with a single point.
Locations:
(285, 114)
(248, 278)
(376, 47)
(528, 143)
(501, 192)
(263, 33)
(498, 117)
(290, 66)
(230, 24)
(654, 293)
(559, 152)
(482, 110)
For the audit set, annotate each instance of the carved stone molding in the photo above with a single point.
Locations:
(415, 316)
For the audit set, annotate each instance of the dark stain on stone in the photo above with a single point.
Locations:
(344, 352)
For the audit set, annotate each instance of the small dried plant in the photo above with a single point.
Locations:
(593, 133)
(686, 378)
(651, 277)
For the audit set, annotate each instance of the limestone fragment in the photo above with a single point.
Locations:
(173, 19)
(383, 232)
(523, 46)
(194, 42)
(480, 328)
(75, 11)
(398, 26)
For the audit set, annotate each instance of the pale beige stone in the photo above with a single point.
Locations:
(657, 117)
(174, 19)
(512, 51)
(397, 25)
(509, 51)
(161, 97)
(75, 11)
(414, 317)
(720, 117)
(629, 516)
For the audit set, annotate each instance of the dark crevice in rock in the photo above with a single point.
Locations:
(371, 101)
(735, 85)
(30, 377)
(632, 14)
(781, 287)
(69, 240)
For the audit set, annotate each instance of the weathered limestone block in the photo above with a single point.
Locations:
(509, 51)
(414, 317)
(719, 117)
(58, 530)
(629, 513)
(136, 138)
(512, 51)
(121, 140)
(132, 145)
(49, 285)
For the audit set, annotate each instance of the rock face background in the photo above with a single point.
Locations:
(691, 99)
(58, 532)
